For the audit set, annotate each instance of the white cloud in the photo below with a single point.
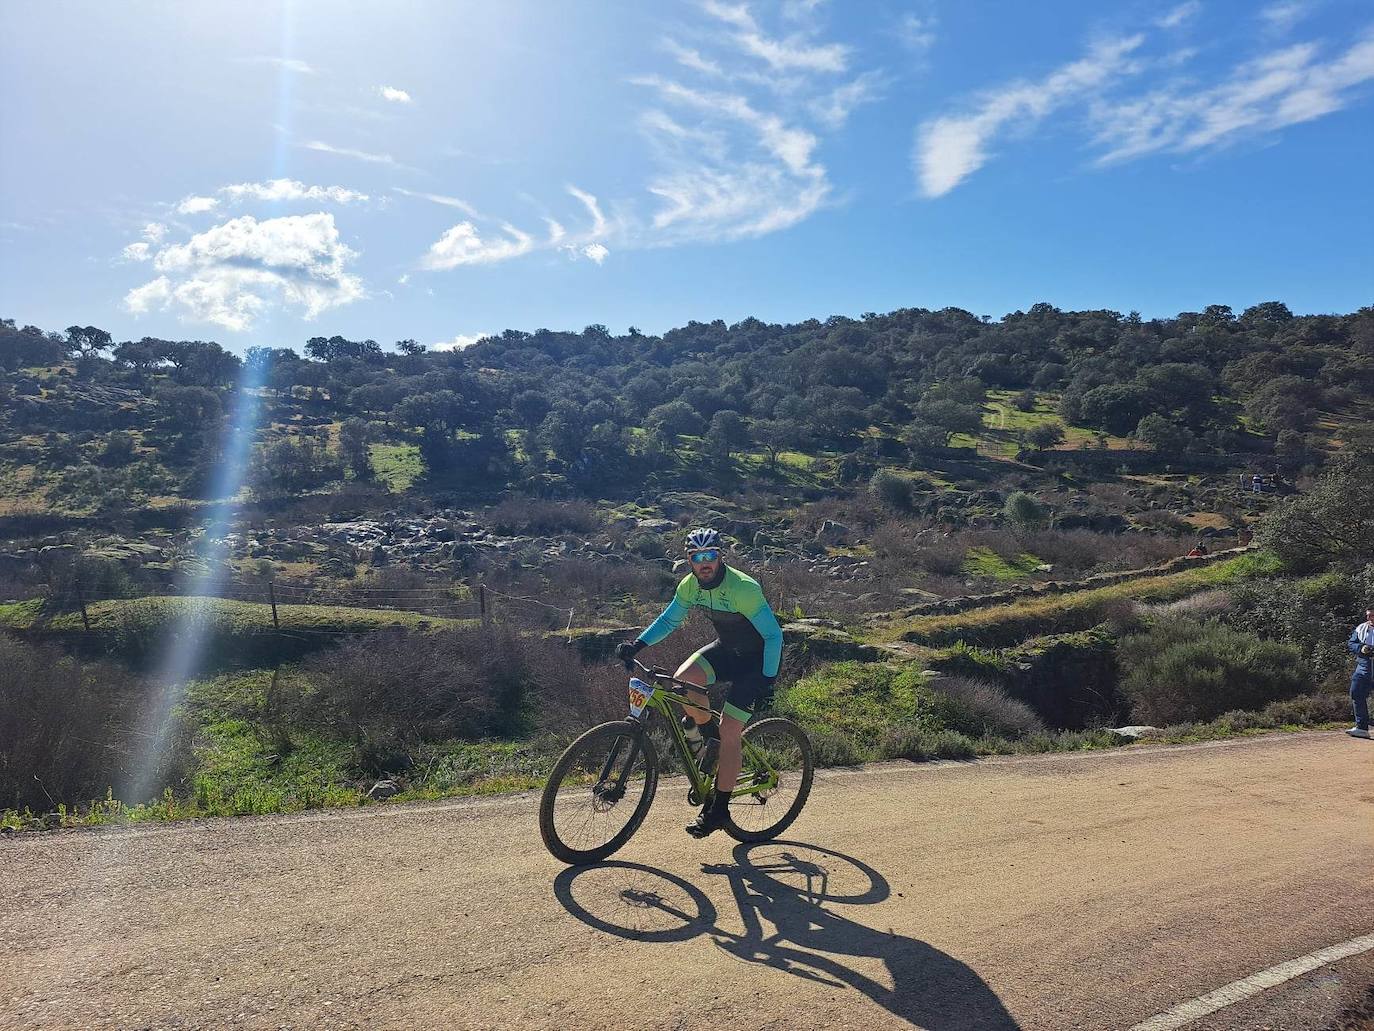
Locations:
(138, 251)
(1177, 16)
(153, 232)
(1282, 16)
(396, 96)
(689, 58)
(917, 31)
(289, 64)
(800, 10)
(348, 152)
(231, 273)
(439, 198)
(793, 53)
(464, 245)
(196, 205)
(762, 178)
(593, 209)
(951, 148)
(1278, 89)
(142, 299)
(737, 159)
(460, 342)
(279, 190)
(834, 109)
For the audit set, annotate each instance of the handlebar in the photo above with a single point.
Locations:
(660, 673)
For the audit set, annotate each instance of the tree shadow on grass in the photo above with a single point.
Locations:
(786, 893)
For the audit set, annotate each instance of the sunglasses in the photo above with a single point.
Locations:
(709, 555)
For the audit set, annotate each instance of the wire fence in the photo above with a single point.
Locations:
(297, 609)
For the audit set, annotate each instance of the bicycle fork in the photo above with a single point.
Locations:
(614, 792)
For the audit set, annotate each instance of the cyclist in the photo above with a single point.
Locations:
(746, 652)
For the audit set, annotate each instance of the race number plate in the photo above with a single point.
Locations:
(640, 693)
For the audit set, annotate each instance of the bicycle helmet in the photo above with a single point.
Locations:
(702, 537)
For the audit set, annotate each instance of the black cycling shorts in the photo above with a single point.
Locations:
(742, 670)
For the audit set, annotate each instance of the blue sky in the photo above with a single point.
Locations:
(262, 173)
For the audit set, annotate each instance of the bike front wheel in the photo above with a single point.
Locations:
(775, 780)
(598, 793)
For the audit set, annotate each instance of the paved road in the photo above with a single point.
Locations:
(1088, 891)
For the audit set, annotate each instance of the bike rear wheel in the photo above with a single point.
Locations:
(777, 769)
(598, 793)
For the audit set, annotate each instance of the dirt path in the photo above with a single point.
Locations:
(1086, 892)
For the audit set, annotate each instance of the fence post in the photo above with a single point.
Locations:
(272, 597)
(81, 600)
(482, 600)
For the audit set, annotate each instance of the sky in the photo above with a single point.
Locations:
(265, 172)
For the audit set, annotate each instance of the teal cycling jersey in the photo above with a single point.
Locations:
(736, 607)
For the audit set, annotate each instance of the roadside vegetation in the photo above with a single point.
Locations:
(975, 531)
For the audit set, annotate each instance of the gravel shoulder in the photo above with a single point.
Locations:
(1068, 891)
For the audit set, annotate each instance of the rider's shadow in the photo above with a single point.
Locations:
(784, 891)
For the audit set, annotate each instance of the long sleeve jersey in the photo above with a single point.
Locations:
(737, 609)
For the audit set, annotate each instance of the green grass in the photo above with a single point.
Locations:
(1075, 610)
(862, 699)
(396, 465)
(232, 633)
(20, 615)
(986, 562)
(155, 615)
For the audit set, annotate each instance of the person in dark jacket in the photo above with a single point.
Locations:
(1361, 645)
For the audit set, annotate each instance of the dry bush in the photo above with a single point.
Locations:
(983, 709)
(542, 517)
(394, 578)
(70, 731)
(1197, 606)
(791, 584)
(859, 511)
(606, 588)
(395, 689)
(1165, 521)
(943, 557)
(1113, 497)
(1140, 551)
(1073, 551)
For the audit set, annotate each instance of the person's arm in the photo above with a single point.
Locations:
(1354, 643)
(761, 616)
(672, 617)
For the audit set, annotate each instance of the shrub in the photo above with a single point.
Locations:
(982, 709)
(70, 731)
(539, 516)
(1183, 671)
(393, 690)
(891, 489)
(1023, 511)
(918, 745)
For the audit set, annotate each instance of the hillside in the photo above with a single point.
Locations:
(974, 532)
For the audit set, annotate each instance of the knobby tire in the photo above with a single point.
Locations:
(750, 812)
(586, 754)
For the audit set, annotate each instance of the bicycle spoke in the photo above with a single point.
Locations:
(598, 793)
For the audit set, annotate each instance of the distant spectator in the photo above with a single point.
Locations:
(1361, 645)
(1199, 550)
(1257, 483)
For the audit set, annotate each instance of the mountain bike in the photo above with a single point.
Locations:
(602, 786)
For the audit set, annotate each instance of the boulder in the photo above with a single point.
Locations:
(1134, 733)
(832, 533)
(383, 789)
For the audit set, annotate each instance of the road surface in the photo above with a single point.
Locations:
(1088, 891)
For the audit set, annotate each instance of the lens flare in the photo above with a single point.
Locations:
(185, 646)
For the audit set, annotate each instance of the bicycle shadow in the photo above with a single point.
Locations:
(782, 890)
